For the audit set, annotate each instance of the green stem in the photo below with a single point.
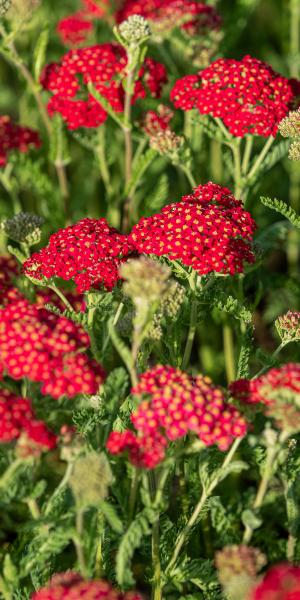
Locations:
(191, 335)
(268, 473)
(236, 151)
(261, 157)
(157, 584)
(294, 37)
(61, 295)
(247, 154)
(133, 494)
(228, 342)
(294, 171)
(189, 175)
(78, 543)
(184, 534)
(128, 141)
(275, 353)
(100, 153)
(62, 484)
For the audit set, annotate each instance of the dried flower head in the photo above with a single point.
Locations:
(90, 479)
(71, 586)
(135, 30)
(237, 568)
(288, 326)
(281, 582)
(23, 228)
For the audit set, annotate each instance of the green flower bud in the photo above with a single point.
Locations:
(135, 30)
(90, 479)
(24, 228)
(294, 151)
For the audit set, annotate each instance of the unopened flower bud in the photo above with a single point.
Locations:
(23, 228)
(290, 125)
(237, 569)
(145, 279)
(288, 326)
(173, 299)
(135, 30)
(90, 479)
(167, 143)
(294, 151)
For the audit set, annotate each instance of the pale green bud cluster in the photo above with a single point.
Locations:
(145, 279)
(24, 228)
(290, 127)
(90, 479)
(134, 31)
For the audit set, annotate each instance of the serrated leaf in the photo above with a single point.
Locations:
(284, 209)
(139, 528)
(111, 516)
(234, 467)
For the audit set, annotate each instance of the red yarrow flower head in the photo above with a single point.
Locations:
(71, 586)
(15, 137)
(281, 582)
(209, 230)
(75, 29)
(195, 18)
(105, 67)
(46, 348)
(248, 95)
(18, 419)
(178, 405)
(96, 8)
(277, 393)
(89, 253)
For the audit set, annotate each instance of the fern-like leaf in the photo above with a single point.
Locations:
(139, 528)
(284, 209)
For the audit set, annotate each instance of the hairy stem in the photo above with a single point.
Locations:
(228, 343)
(61, 295)
(191, 335)
(268, 473)
(78, 542)
(128, 142)
(261, 156)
